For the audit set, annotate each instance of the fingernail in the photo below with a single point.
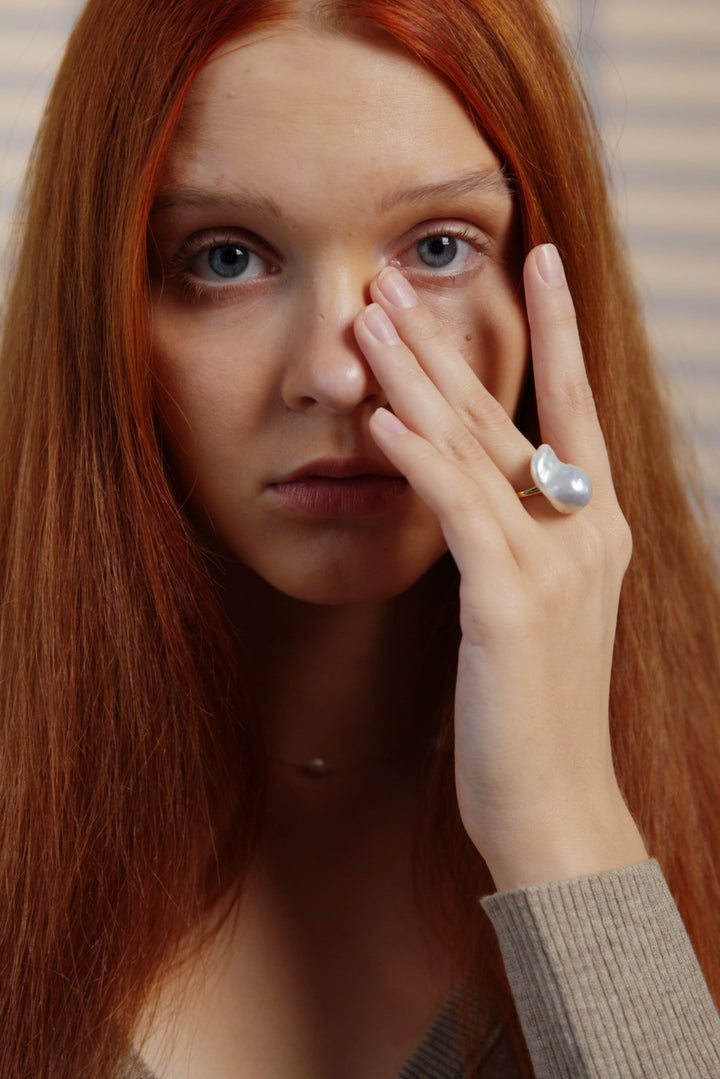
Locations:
(550, 265)
(396, 288)
(389, 422)
(379, 325)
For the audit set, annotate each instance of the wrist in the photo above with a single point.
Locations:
(564, 845)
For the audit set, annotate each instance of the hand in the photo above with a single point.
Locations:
(539, 591)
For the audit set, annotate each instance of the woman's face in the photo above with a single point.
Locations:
(305, 162)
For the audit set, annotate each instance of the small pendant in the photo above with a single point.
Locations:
(316, 768)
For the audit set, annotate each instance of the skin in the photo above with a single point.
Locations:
(539, 591)
(330, 159)
(282, 380)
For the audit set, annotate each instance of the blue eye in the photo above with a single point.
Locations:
(442, 254)
(228, 260)
(217, 266)
(438, 251)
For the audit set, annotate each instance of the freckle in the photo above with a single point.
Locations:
(321, 317)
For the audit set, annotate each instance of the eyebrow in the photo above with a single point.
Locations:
(201, 198)
(491, 180)
(487, 181)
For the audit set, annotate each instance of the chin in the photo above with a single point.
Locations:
(341, 584)
(332, 573)
(335, 564)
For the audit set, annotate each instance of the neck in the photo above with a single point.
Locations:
(357, 686)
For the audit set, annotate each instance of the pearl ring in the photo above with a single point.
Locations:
(566, 487)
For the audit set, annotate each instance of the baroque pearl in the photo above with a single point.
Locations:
(566, 487)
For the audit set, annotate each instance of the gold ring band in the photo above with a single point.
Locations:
(528, 492)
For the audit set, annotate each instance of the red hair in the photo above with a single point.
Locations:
(119, 773)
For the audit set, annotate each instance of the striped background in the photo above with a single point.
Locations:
(653, 70)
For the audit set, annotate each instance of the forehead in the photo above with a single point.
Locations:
(294, 109)
(293, 66)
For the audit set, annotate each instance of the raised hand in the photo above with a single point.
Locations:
(539, 590)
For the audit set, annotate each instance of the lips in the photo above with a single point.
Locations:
(335, 487)
(340, 468)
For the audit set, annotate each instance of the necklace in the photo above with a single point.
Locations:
(321, 768)
(315, 768)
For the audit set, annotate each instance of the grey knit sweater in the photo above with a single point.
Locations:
(605, 981)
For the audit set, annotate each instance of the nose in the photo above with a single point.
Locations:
(324, 366)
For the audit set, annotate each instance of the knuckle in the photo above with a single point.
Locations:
(412, 373)
(593, 550)
(509, 619)
(466, 501)
(425, 454)
(460, 445)
(564, 319)
(428, 329)
(576, 398)
(552, 583)
(605, 545)
(515, 614)
(483, 412)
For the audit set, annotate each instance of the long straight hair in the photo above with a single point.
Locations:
(131, 783)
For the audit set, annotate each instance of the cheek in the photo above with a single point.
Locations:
(212, 382)
(186, 392)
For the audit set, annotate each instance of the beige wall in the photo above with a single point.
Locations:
(654, 71)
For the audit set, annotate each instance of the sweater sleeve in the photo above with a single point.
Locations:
(605, 979)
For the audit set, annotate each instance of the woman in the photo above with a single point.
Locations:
(265, 339)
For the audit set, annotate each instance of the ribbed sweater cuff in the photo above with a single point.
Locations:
(605, 979)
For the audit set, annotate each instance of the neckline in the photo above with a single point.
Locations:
(438, 1053)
